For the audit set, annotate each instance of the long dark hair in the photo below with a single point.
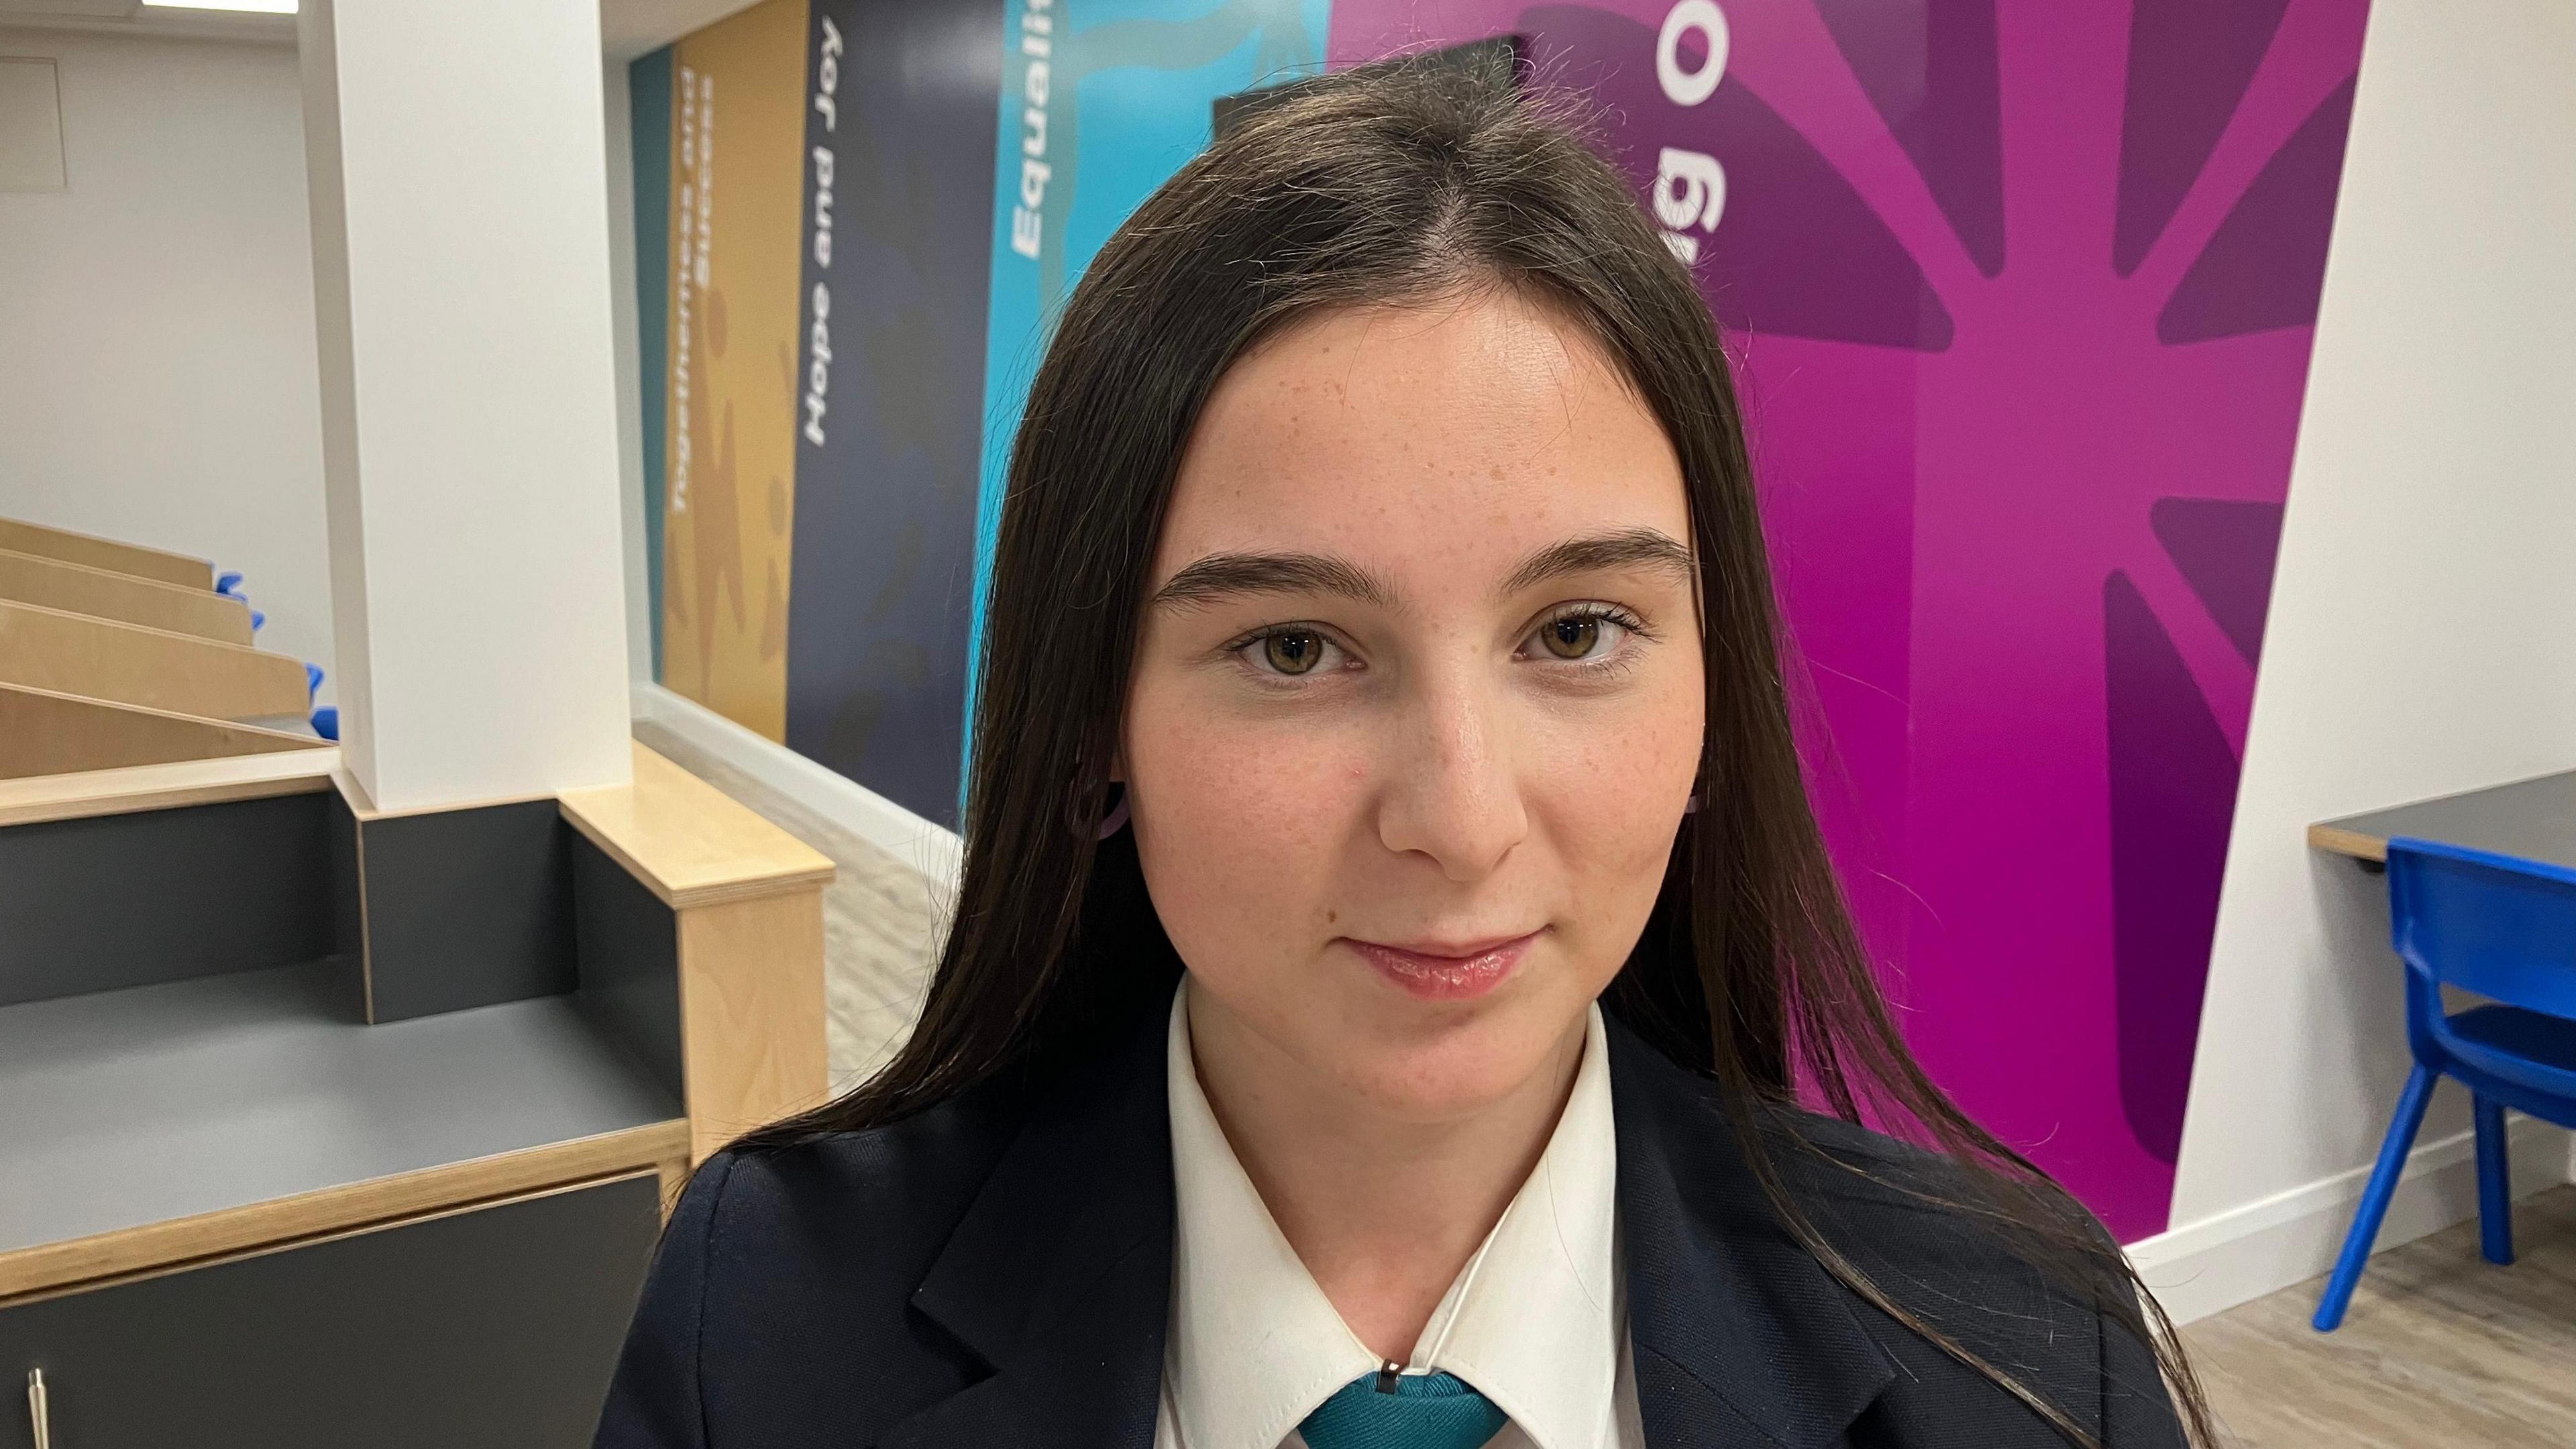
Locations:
(1410, 181)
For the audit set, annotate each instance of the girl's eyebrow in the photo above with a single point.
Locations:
(1224, 576)
(1628, 548)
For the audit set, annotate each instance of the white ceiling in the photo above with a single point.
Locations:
(627, 28)
(130, 17)
(90, 9)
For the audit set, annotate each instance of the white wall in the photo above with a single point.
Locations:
(2422, 636)
(157, 375)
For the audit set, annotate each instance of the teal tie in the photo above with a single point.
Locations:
(1412, 1411)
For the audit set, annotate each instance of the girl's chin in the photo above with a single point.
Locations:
(1464, 1073)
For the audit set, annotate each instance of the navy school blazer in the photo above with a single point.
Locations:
(995, 1273)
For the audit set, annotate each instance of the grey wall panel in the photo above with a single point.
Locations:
(627, 944)
(163, 895)
(495, 1328)
(466, 908)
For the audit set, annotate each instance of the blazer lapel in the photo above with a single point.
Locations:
(1740, 1337)
(1059, 1275)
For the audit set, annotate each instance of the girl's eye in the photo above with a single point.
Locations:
(1292, 651)
(1571, 637)
(1579, 636)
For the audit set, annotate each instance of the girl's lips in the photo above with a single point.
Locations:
(1435, 977)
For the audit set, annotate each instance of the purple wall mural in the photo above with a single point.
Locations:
(2021, 293)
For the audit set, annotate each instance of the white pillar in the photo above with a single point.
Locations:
(461, 278)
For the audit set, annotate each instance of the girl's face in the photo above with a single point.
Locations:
(1417, 703)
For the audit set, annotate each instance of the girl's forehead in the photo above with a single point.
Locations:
(1472, 425)
(1490, 349)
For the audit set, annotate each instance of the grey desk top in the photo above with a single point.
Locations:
(2534, 819)
(121, 1108)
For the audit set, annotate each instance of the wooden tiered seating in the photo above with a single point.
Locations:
(113, 655)
(102, 553)
(28, 578)
(44, 733)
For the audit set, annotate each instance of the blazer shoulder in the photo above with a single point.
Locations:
(789, 1215)
(1896, 1197)
(1918, 1249)
(1927, 1232)
(1890, 1208)
(1848, 1165)
(1870, 1196)
(778, 1305)
(905, 1167)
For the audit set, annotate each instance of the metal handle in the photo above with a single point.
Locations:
(36, 1409)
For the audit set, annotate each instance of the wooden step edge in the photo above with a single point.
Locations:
(128, 592)
(133, 788)
(182, 738)
(105, 651)
(132, 559)
(80, 1264)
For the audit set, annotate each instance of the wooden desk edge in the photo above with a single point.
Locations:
(132, 789)
(2330, 837)
(174, 1243)
(786, 863)
(686, 896)
(136, 788)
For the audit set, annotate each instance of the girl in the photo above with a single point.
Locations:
(1393, 941)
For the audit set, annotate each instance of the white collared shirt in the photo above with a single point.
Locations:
(1538, 1323)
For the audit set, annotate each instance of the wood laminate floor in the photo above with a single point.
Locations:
(2441, 1350)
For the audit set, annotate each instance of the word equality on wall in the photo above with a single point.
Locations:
(1037, 42)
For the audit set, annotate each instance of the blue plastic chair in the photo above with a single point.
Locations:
(2503, 929)
(326, 718)
(230, 586)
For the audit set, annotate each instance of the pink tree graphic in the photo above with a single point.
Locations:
(2022, 292)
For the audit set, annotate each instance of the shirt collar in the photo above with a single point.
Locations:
(1255, 1345)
